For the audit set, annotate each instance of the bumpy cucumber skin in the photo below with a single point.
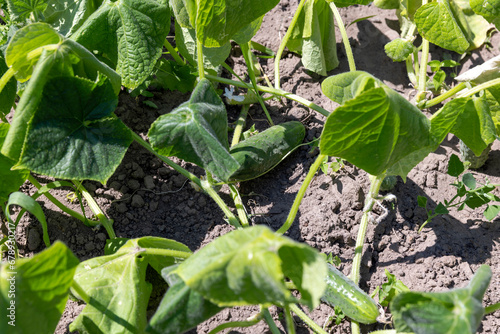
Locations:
(261, 152)
(466, 155)
(354, 302)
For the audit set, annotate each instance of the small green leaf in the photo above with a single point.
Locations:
(457, 311)
(135, 30)
(438, 79)
(248, 267)
(181, 308)
(196, 131)
(79, 141)
(399, 49)
(41, 286)
(422, 201)
(21, 10)
(491, 211)
(455, 166)
(441, 209)
(469, 180)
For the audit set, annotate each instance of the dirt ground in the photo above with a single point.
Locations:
(145, 197)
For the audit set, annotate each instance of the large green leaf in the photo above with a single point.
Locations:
(185, 39)
(67, 16)
(314, 37)
(21, 10)
(493, 98)
(247, 267)
(181, 308)
(73, 134)
(452, 25)
(376, 130)
(196, 131)
(346, 3)
(36, 290)
(130, 33)
(117, 287)
(489, 9)
(217, 21)
(474, 127)
(10, 180)
(456, 311)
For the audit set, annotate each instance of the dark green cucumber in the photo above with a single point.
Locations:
(344, 293)
(261, 152)
(475, 162)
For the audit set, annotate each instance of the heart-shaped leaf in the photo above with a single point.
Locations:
(73, 134)
(196, 131)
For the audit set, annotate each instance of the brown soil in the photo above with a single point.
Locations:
(145, 197)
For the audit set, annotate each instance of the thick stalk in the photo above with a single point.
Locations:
(202, 184)
(442, 97)
(422, 74)
(96, 209)
(375, 183)
(240, 123)
(480, 87)
(247, 54)
(314, 326)
(172, 52)
(284, 41)
(240, 208)
(411, 71)
(345, 38)
(79, 290)
(290, 325)
(201, 65)
(270, 322)
(61, 206)
(300, 195)
(274, 91)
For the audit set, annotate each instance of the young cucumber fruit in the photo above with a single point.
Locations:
(261, 152)
(354, 302)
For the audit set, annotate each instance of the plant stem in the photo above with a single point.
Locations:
(492, 308)
(248, 56)
(375, 183)
(101, 216)
(172, 52)
(480, 87)
(314, 326)
(284, 41)
(290, 325)
(411, 71)
(422, 75)
(300, 195)
(270, 322)
(167, 252)
(56, 202)
(240, 208)
(442, 97)
(202, 184)
(5, 78)
(239, 125)
(345, 38)
(355, 327)
(199, 52)
(233, 324)
(274, 91)
(79, 290)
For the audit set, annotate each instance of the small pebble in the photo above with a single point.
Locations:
(137, 201)
(34, 239)
(149, 182)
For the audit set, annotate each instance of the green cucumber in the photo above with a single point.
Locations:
(261, 152)
(344, 293)
(475, 162)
